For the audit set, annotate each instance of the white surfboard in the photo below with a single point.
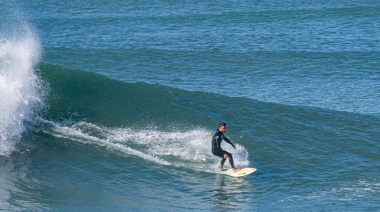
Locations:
(240, 173)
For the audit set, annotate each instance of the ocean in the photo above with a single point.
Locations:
(111, 106)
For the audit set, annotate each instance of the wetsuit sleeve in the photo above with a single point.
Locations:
(227, 140)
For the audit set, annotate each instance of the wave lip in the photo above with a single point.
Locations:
(19, 85)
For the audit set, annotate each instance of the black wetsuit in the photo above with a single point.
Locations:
(218, 151)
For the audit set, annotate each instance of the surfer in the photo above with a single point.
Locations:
(217, 149)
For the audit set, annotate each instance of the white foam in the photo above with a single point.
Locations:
(19, 89)
(190, 148)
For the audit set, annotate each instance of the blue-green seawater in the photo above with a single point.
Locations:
(111, 105)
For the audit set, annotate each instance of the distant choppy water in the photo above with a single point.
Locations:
(111, 106)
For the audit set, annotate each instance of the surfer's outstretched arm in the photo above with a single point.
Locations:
(228, 141)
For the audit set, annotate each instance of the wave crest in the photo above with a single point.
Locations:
(19, 85)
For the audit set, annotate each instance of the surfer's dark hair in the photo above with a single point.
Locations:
(221, 124)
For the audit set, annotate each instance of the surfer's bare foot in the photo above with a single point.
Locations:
(236, 169)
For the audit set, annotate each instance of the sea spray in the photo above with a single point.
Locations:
(19, 84)
(180, 148)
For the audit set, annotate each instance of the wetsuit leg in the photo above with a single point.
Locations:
(230, 159)
(222, 163)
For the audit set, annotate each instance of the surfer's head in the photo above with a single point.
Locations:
(222, 127)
